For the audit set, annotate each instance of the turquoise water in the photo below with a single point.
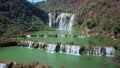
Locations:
(74, 32)
(25, 55)
(64, 40)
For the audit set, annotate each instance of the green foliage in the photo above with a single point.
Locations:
(19, 17)
(116, 45)
(117, 31)
(102, 16)
(35, 24)
(91, 23)
(93, 4)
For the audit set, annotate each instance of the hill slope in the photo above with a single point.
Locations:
(18, 17)
(98, 16)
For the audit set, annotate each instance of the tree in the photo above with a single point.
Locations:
(91, 23)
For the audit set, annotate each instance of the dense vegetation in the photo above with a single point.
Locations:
(19, 17)
(97, 17)
(100, 16)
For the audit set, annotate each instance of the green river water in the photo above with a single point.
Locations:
(64, 40)
(26, 55)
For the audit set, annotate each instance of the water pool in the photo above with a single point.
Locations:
(26, 55)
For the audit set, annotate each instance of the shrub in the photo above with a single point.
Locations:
(91, 23)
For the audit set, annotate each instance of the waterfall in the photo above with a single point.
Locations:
(72, 49)
(97, 51)
(41, 44)
(87, 50)
(94, 51)
(109, 51)
(3, 65)
(75, 50)
(61, 20)
(62, 25)
(30, 44)
(68, 49)
(50, 19)
(51, 48)
(71, 22)
(61, 48)
(100, 51)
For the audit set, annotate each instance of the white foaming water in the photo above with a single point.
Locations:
(75, 50)
(51, 48)
(68, 49)
(62, 25)
(97, 51)
(30, 44)
(61, 19)
(40, 45)
(61, 48)
(109, 51)
(28, 36)
(100, 51)
(87, 49)
(3, 65)
(50, 19)
(93, 51)
(71, 22)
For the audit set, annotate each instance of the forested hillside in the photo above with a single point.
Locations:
(19, 17)
(98, 16)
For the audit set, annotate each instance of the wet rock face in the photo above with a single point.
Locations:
(57, 48)
(30, 65)
(36, 45)
(82, 50)
(5, 44)
(10, 65)
(23, 43)
(103, 51)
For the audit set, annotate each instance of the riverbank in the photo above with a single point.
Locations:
(4, 64)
